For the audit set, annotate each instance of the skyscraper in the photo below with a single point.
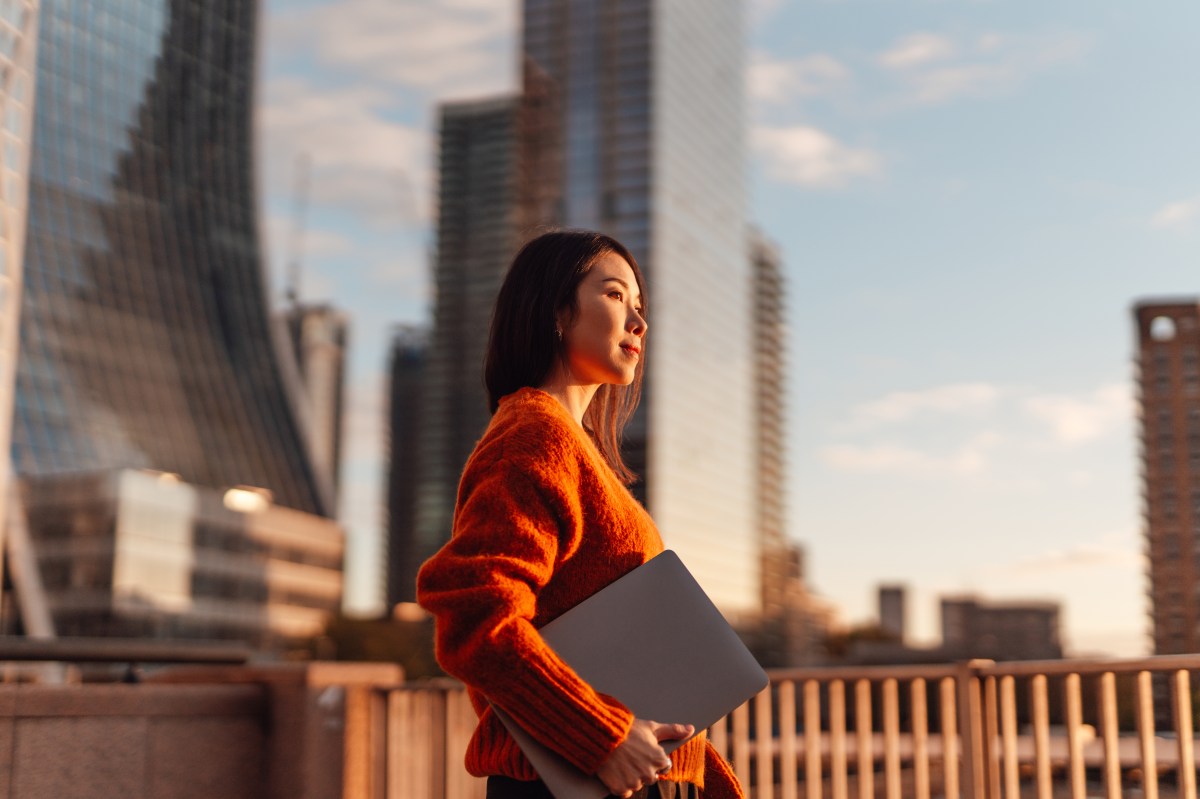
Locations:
(476, 237)
(145, 338)
(145, 341)
(645, 141)
(1168, 361)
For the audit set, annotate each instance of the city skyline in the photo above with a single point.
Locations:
(968, 199)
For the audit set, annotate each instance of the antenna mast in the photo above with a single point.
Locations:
(299, 220)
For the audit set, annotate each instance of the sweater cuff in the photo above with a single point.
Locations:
(583, 733)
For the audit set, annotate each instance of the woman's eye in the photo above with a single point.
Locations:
(616, 295)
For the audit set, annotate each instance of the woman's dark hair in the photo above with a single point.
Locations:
(523, 347)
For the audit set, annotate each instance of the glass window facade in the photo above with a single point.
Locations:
(652, 101)
(145, 338)
(18, 50)
(476, 238)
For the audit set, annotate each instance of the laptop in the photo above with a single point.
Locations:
(688, 666)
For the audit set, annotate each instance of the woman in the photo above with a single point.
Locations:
(544, 520)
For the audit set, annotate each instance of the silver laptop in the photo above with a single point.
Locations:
(654, 640)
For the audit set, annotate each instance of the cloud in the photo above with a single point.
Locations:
(970, 459)
(1176, 215)
(905, 433)
(1112, 549)
(449, 48)
(806, 156)
(933, 69)
(775, 81)
(280, 232)
(362, 162)
(762, 10)
(1076, 420)
(900, 406)
(917, 49)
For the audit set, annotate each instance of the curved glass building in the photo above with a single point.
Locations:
(166, 478)
(145, 335)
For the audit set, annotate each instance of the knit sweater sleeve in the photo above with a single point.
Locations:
(482, 589)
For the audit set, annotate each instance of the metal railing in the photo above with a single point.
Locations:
(1065, 729)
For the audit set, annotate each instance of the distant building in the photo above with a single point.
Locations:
(1021, 630)
(476, 239)
(1169, 388)
(318, 334)
(794, 621)
(892, 614)
(406, 366)
(146, 342)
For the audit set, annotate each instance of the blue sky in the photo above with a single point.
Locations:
(968, 197)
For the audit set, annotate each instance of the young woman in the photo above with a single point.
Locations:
(544, 520)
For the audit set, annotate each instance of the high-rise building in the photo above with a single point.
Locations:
(1169, 387)
(641, 132)
(477, 236)
(794, 620)
(18, 34)
(406, 367)
(145, 337)
(770, 402)
(318, 333)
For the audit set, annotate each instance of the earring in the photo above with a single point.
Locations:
(558, 332)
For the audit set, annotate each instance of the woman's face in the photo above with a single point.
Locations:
(603, 344)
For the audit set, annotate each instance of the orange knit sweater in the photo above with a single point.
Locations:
(541, 523)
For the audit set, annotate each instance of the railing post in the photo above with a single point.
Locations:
(973, 782)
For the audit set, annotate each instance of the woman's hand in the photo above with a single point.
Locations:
(639, 759)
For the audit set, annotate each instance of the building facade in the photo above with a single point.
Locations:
(477, 236)
(139, 554)
(1024, 630)
(146, 341)
(641, 136)
(18, 54)
(145, 336)
(1168, 336)
(892, 611)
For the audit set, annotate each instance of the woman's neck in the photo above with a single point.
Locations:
(573, 396)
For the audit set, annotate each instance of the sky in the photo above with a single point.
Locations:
(969, 196)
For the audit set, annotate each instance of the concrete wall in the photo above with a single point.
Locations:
(237, 733)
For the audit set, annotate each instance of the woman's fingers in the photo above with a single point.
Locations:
(671, 732)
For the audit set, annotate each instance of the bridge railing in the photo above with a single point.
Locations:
(1062, 729)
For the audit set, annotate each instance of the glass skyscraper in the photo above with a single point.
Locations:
(649, 101)
(166, 475)
(145, 337)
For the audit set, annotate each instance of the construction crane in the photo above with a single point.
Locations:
(295, 244)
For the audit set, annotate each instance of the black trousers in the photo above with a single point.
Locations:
(508, 788)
